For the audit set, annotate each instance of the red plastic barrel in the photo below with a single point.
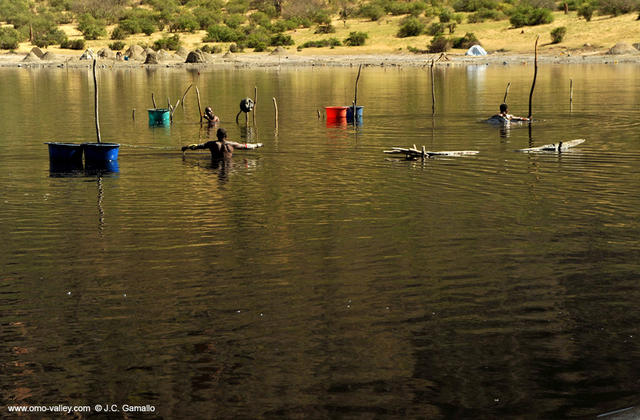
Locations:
(336, 112)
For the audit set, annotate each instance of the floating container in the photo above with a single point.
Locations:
(159, 116)
(359, 111)
(100, 152)
(65, 153)
(336, 112)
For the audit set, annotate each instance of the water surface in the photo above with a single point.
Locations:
(317, 277)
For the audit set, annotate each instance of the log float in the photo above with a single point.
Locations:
(413, 152)
(554, 147)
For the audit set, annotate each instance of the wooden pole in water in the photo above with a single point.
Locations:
(184, 95)
(355, 96)
(153, 100)
(570, 94)
(95, 97)
(199, 106)
(433, 90)
(275, 106)
(318, 111)
(255, 103)
(535, 74)
(506, 92)
(133, 114)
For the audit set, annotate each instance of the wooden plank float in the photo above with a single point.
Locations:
(413, 152)
(554, 147)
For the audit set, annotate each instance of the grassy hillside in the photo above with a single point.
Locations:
(248, 26)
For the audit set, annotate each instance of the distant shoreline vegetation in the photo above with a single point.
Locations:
(260, 24)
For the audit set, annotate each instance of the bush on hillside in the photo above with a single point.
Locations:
(616, 7)
(435, 29)
(222, 33)
(184, 22)
(76, 44)
(91, 27)
(557, 35)
(439, 44)
(356, 39)
(168, 43)
(467, 41)
(530, 16)
(260, 19)
(278, 40)
(474, 5)
(9, 38)
(410, 26)
(371, 11)
(50, 37)
(211, 49)
(331, 42)
(234, 21)
(485, 14)
(117, 45)
(237, 6)
(118, 33)
(586, 11)
(325, 29)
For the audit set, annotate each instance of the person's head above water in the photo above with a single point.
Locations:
(221, 134)
(503, 108)
(208, 110)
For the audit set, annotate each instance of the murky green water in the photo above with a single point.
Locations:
(317, 277)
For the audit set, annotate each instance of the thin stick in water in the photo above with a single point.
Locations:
(433, 90)
(199, 106)
(535, 74)
(506, 92)
(133, 114)
(153, 99)
(255, 103)
(570, 94)
(355, 96)
(275, 107)
(95, 96)
(183, 96)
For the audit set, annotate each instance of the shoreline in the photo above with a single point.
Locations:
(293, 59)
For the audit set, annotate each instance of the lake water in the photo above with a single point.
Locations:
(318, 277)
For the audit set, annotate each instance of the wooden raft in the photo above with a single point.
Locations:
(414, 153)
(554, 147)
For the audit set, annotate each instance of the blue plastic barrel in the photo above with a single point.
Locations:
(100, 152)
(159, 116)
(94, 167)
(359, 111)
(65, 153)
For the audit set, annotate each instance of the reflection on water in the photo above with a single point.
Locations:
(315, 277)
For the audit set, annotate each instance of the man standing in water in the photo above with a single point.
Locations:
(210, 116)
(221, 148)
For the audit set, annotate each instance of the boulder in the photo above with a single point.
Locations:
(37, 51)
(135, 52)
(107, 53)
(164, 55)
(182, 52)
(622, 48)
(152, 58)
(31, 58)
(50, 56)
(229, 55)
(196, 56)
